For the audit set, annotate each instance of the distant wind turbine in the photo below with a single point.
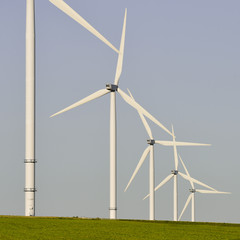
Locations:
(175, 171)
(192, 191)
(112, 89)
(150, 150)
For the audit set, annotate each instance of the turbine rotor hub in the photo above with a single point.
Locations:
(151, 141)
(111, 87)
(174, 172)
(192, 190)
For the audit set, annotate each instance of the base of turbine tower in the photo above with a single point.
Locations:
(113, 213)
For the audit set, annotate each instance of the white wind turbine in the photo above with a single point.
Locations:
(186, 177)
(175, 171)
(192, 191)
(112, 88)
(150, 149)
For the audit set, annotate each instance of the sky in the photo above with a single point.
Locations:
(181, 63)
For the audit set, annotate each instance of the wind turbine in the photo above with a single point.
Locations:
(175, 171)
(150, 150)
(192, 191)
(186, 177)
(112, 89)
(30, 111)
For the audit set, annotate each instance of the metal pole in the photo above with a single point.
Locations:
(151, 185)
(193, 207)
(175, 199)
(113, 157)
(30, 111)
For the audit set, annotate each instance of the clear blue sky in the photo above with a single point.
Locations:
(181, 63)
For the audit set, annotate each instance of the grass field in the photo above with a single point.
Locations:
(94, 229)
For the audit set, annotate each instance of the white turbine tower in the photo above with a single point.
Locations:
(30, 111)
(192, 191)
(112, 88)
(150, 149)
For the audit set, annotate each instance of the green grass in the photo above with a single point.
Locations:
(94, 229)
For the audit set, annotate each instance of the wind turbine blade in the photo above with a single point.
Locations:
(196, 181)
(146, 196)
(175, 150)
(185, 206)
(139, 108)
(148, 129)
(144, 155)
(165, 180)
(121, 51)
(185, 168)
(84, 100)
(209, 191)
(179, 144)
(74, 15)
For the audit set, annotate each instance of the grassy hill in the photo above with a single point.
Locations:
(94, 229)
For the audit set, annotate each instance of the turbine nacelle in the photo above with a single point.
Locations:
(151, 141)
(192, 190)
(174, 172)
(111, 87)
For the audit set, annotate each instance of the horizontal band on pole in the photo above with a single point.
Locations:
(112, 208)
(30, 160)
(30, 189)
